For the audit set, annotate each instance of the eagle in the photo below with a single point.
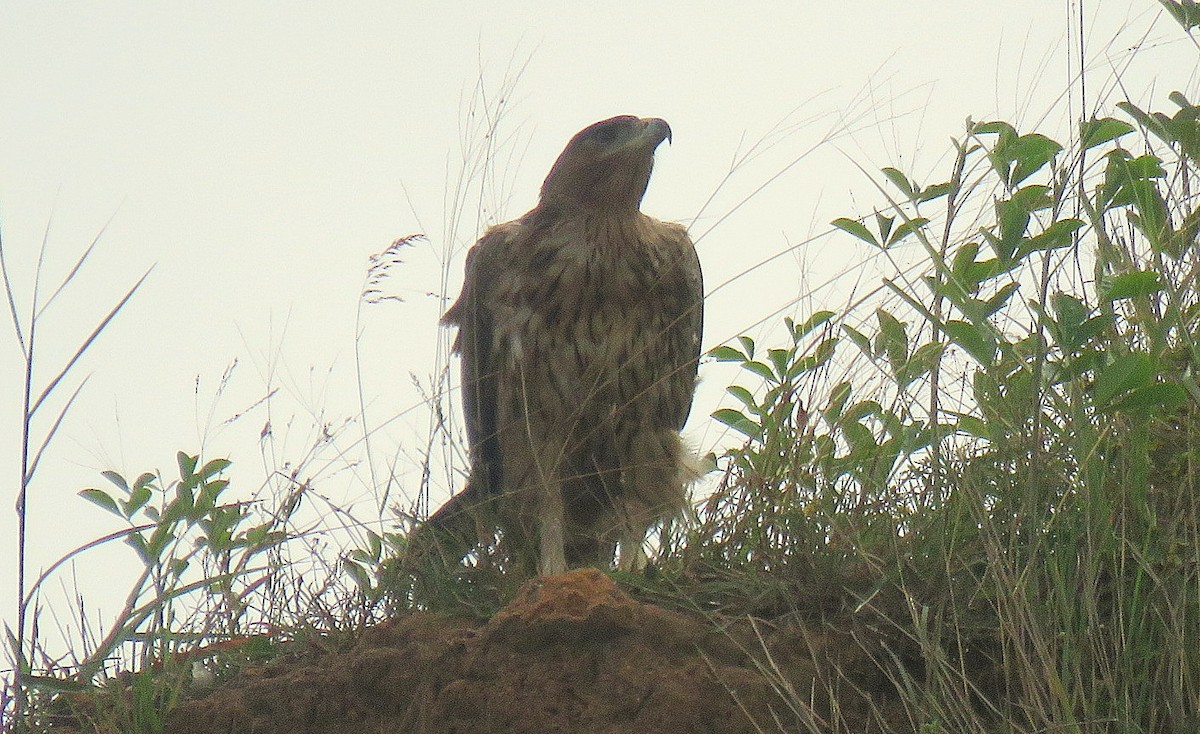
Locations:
(579, 328)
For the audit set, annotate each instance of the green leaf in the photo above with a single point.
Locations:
(137, 499)
(862, 409)
(977, 340)
(924, 359)
(138, 543)
(759, 368)
(1016, 158)
(747, 346)
(855, 228)
(1143, 168)
(159, 539)
(1128, 180)
(1095, 131)
(215, 487)
(884, 223)
(744, 396)
(738, 422)
(1181, 131)
(181, 507)
(55, 685)
(892, 340)
(860, 438)
(837, 400)
(187, 465)
(101, 498)
(1033, 198)
(1125, 373)
(999, 299)
(1070, 310)
(1031, 153)
(361, 556)
(1178, 98)
(1152, 217)
(972, 426)
(1186, 13)
(360, 577)
(818, 358)
(779, 359)
(1053, 237)
(727, 354)
(861, 340)
(933, 191)
(999, 126)
(1160, 396)
(1093, 327)
(116, 479)
(906, 228)
(259, 536)
(965, 270)
(1131, 285)
(1013, 221)
(216, 466)
(1180, 241)
(900, 181)
(820, 318)
(1073, 328)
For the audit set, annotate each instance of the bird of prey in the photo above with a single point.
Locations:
(579, 329)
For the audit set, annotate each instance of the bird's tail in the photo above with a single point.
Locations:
(448, 535)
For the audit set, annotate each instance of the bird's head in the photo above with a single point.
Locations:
(606, 165)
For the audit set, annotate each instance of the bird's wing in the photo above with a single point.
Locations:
(450, 533)
(685, 330)
(474, 315)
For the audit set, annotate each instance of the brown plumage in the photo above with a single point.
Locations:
(579, 331)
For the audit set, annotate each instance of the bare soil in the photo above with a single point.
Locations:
(571, 653)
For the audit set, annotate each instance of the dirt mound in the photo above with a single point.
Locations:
(571, 653)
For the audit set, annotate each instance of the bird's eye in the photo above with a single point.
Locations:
(606, 134)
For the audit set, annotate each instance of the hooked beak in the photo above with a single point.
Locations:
(656, 130)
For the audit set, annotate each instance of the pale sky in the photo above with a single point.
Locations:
(255, 154)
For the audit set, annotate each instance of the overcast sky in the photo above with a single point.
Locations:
(255, 158)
